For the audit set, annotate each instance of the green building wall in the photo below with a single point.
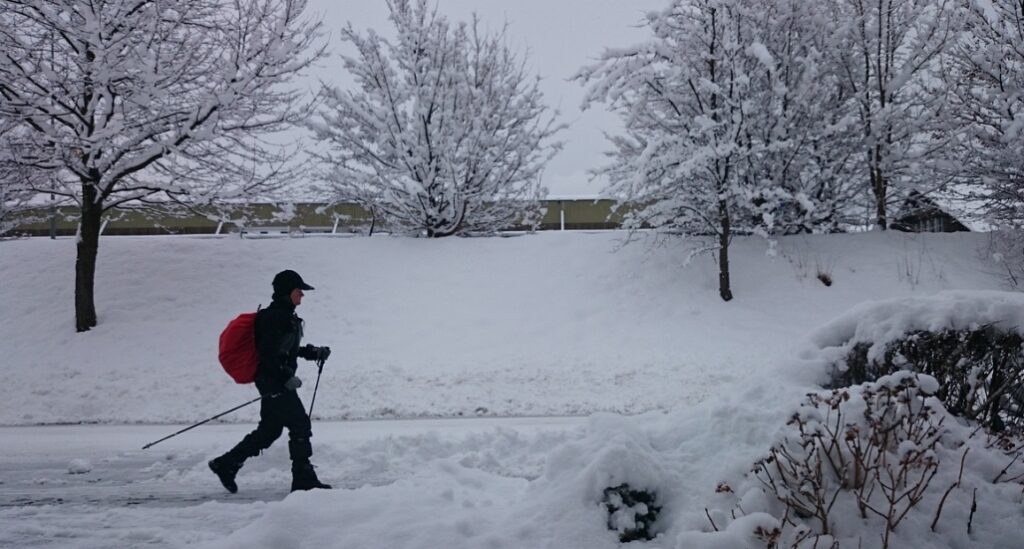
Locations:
(574, 214)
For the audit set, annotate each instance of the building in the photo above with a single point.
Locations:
(920, 214)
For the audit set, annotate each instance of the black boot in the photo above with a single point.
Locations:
(227, 465)
(226, 469)
(304, 477)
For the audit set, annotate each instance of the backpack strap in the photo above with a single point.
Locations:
(256, 324)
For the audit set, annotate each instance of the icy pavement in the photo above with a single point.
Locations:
(92, 486)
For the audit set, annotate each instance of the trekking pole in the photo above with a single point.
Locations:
(319, 370)
(208, 420)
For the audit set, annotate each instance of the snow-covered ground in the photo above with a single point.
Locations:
(540, 325)
(112, 494)
(546, 324)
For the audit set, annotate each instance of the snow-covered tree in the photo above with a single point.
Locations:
(152, 100)
(988, 79)
(731, 123)
(888, 53)
(802, 171)
(445, 132)
(682, 96)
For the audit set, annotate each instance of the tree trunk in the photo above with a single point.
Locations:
(724, 289)
(85, 265)
(880, 187)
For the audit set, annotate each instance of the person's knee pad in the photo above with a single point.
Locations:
(300, 448)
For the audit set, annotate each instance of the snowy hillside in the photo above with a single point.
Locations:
(552, 323)
(555, 323)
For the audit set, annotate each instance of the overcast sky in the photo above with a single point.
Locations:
(559, 37)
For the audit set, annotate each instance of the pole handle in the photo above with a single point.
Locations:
(319, 370)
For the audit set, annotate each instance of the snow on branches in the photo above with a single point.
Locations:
(20, 176)
(140, 100)
(731, 122)
(889, 57)
(445, 132)
(988, 92)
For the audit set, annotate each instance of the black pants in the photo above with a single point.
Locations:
(277, 413)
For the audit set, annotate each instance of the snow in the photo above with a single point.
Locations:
(760, 52)
(164, 498)
(879, 323)
(546, 324)
(79, 466)
(531, 325)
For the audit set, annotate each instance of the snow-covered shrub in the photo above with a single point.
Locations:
(876, 447)
(631, 513)
(616, 483)
(881, 464)
(980, 370)
(972, 342)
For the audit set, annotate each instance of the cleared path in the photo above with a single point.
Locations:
(93, 485)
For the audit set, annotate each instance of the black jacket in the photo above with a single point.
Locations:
(278, 333)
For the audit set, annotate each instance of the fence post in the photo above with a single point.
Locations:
(53, 217)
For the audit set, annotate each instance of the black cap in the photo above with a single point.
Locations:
(288, 280)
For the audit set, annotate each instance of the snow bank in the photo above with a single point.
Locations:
(681, 456)
(447, 506)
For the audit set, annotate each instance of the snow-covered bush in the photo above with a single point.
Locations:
(875, 465)
(970, 341)
(980, 371)
(874, 447)
(917, 441)
(631, 513)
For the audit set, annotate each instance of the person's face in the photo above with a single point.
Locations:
(297, 297)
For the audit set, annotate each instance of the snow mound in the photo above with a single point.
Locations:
(79, 466)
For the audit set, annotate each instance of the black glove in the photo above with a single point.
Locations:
(293, 383)
(316, 354)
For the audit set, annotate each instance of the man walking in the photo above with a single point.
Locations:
(278, 333)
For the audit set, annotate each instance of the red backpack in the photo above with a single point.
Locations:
(238, 353)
